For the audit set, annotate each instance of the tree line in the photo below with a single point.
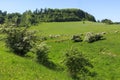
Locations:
(29, 17)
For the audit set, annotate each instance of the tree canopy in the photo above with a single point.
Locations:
(107, 21)
(29, 18)
(62, 15)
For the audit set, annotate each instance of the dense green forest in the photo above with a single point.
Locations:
(29, 17)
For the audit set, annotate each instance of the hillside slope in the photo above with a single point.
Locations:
(104, 54)
(13, 67)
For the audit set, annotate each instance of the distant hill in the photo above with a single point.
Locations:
(29, 17)
(63, 15)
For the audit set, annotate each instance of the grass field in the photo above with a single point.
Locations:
(73, 27)
(104, 54)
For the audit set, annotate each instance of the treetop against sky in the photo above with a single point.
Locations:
(99, 8)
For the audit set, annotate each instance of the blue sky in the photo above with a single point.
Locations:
(101, 9)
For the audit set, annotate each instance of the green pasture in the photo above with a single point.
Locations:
(73, 27)
(103, 54)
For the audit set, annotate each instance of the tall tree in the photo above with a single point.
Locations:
(26, 19)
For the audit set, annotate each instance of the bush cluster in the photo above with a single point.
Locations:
(76, 63)
(42, 53)
(20, 41)
(91, 37)
(76, 38)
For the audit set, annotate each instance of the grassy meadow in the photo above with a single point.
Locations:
(103, 54)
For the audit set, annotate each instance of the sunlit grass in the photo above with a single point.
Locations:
(104, 54)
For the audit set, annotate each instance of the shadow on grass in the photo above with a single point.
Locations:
(88, 76)
(51, 65)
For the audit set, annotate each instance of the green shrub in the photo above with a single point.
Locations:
(77, 64)
(42, 53)
(107, 21)
(19, 40)
(98, 36)
(91, 37)
(76, 38)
